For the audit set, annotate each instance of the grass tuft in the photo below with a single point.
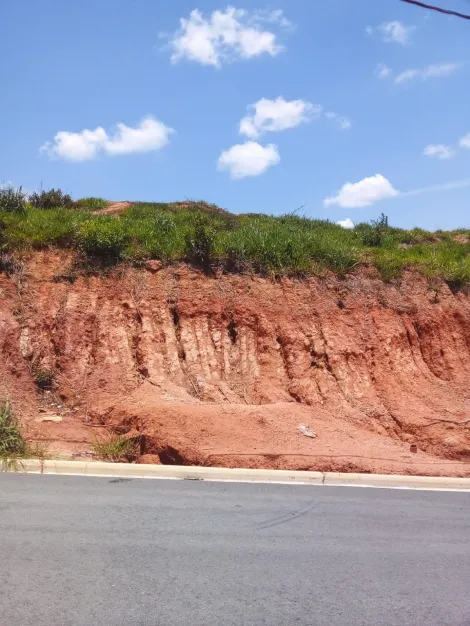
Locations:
(117, 449)
(12, 441)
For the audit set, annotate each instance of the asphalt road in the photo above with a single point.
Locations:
(77, 551)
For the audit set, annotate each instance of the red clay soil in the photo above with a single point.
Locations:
(223, 371)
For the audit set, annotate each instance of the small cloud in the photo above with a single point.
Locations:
(277, 115)
(439, 70)
(363, 193)
(439, 151)
(226, 36)
(149, 135)
(465, 141)
(347, 223)
(342, 122)
(396, 32)
(369, 30)
(248, 159)
(382, 71)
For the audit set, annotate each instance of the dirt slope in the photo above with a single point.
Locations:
(223, 371)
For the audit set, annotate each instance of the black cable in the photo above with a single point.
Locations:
(438, 9)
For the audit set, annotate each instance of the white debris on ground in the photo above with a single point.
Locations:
(305, 430)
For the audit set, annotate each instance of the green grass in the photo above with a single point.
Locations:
(91, 204)
(117, 449)
(13, 445)
(12, 441)
(208, 237)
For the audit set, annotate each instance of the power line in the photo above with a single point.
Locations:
(438, 9)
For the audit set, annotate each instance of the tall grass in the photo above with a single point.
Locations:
(117, 449)
(13, 446)
(207, 237)
(12, 441)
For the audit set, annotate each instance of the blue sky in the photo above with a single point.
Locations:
(344, 91)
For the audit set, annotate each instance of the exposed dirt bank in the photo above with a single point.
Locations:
(223, 371)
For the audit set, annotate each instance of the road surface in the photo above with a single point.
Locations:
(78, 551)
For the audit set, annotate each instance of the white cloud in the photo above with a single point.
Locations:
(431, 71)
(465, 141)
(81, 146)
(439, 151)
(347, 223)
(382, 71)
(342, 122)
(277, 115)
(226, 35)
(364, 193)
(248, 159)
(396, 32)
(149, 135)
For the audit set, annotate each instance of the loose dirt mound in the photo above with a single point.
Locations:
(224, 371)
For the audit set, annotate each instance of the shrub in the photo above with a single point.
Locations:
(12, 200)
(52, 199)
(103, 237)
(200, 245)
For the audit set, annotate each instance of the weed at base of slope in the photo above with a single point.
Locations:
(12, 441)
(117, 449)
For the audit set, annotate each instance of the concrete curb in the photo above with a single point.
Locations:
(397, 481)
(125, 470)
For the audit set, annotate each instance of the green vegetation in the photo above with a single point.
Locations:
(13, 445)
(92, 204)
(12, 200)
(117, 449)
(210, 238)
(12, 441)
(52, 199)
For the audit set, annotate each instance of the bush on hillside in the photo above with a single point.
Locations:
(200, 245)
(103, 237)
(372, 235)
(52, 199)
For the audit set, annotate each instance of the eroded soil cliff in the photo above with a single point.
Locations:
(223, 370)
